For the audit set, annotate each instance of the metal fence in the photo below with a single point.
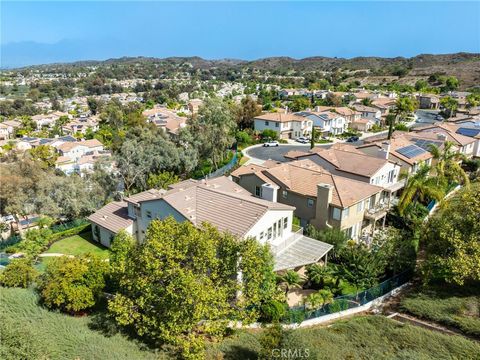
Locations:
(224, 169)
(345, 302)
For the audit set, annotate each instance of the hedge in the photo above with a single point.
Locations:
(70, 232)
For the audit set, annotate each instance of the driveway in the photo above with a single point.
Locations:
(258, 154)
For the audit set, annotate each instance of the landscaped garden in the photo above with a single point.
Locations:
(30, 331)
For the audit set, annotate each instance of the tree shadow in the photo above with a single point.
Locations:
(237, 352)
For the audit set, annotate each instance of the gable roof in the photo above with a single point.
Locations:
(280, 117)
(113, 216)
(69, 145)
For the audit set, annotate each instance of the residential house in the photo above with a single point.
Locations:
(286, 125)
(370, 113)
(320, 198)
(75, 150)
(428, 101)
(406, 152)
(218, 202)
(81, 125)
(7, 129)
(347, 161)
(449, 132)
(326, 122)
(48, 120)
(165, 119)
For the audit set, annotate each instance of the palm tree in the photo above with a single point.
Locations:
(404, 106)
(418, 187)
(448, 167)
(319, 298)
(317, 274)
(289, 280)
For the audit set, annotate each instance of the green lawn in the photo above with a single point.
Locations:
(32, 332)
(78, 245)
(455, 306)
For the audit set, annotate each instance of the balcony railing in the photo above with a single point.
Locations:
(376, 212)
(279, 245)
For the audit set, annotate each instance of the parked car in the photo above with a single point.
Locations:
(269, 143)
(353, 139)
(303, 140)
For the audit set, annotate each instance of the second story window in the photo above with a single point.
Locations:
(149, 214)
(336, 213)
(258, 191)
(267, 123)
(360, 206)
(285, 222)
(345, 213)
(277, 124)
(310, 203)
(284, 194)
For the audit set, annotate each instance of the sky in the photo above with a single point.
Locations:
(44, 32)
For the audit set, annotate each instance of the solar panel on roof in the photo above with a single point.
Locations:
(411, 151)
(468, 132)
(425, 144)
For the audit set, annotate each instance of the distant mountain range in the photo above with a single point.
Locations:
(465, 66)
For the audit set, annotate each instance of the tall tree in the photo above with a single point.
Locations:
(246, 111)
(418, 187)
(452, 240)
(448, 164)
(404, 107)
(450, 106)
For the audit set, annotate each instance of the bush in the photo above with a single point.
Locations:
(73, 284)
(67, 233)
(269, 134)
(19, 273)
(294, 316)
(272, 311)
(243, 138)
(401, 127)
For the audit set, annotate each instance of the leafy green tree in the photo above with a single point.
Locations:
(215, 128)
(333, 236)
(419, 187)
(269, 134)
(246, 111)
(300, 103)
(317, 275)
(404, 107)
(452, 241)
(181, 283)
(473, 100)
(450, 105)
(421, 85)
(45, 154)
(162, 180)
(73, 284)
(451, 84)
(44, 221)
(319, 299)
(19, 273)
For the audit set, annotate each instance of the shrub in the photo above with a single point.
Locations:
(243, 137)
(73, 284)
(294, 316)
(19, 273)
(70, 232)
(269, 134)
(272, 311)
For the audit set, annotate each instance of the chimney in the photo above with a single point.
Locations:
(322, 206)
(442, 136)
(317, 108)
(384, 152)
(269, 192)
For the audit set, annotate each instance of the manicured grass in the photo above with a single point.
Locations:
(458, 307)
(32, 332)
(79, 245)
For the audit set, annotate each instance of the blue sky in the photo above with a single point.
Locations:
(38, 32)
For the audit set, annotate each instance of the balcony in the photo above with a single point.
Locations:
(377, 212)
(279, 245)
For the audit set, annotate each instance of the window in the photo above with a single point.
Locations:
(336, 213)
(391, 176)
(274, 230)
(284, 194)
(269, 233)
(277, 124)
(258, 191)
(360, 206)
(267, 123)
(310, 203)
(149, 214)
(345, 213)
(279, 226)
(285, 222)
(262, 234)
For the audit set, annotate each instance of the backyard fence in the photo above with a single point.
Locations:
(341, 303)
(224, 169)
